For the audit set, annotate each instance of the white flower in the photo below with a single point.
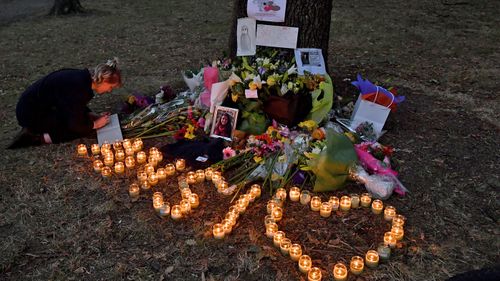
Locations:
(292, 70)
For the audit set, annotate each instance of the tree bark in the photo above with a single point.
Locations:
(64, 7)
(312, 17)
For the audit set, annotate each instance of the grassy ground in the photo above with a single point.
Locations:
(60, 221)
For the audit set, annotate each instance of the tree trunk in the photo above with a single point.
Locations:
(64, 7)
(312, 17)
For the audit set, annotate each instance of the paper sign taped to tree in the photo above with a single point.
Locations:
(367, 111)
(277, 36)
(111, 132)
(245, 37)
(267, 10)
(310, 60)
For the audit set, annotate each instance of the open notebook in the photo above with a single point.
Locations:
(111, 132)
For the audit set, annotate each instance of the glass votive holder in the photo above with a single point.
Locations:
(119, 155)
(377, 206)
(270, 206)
(389, 213)
(295, 252)
(227, 225)
(366, 200)
(81, 150)
(194, 200)
(134, 192)
(200, 176)
(314, 274)
(340, 272)
(185, 206)
(191, 177)
(294, 194)
(142, 176)
(315, 203)
(389, 239)
(271, 229)
(126, 143)
(305, 197)
(141, 157)
(164, 210)
(117, 145)
(176, 212)
(208, 173)
(357, 265)
(325, 209)
(180, 165)
(161, 174)
(106, 172)
(305, 263)
(281, 193)
(354, 201)
(384, 252)
(269, 219)
(216, 176)
(397, 232)
(148, 168)
(170, 169)
(129, 162)
(345, 203)
(285, 245)
(137, 145)
(371, 259)
(119, 168)
(277, 213)
(186, 193)
(255, 191)
(153, 179)
(95, 148)
(278, 236)
(97, 164)
(109, 160)
(218, 231)
(398, 220)
(335, 202)
(145, 185)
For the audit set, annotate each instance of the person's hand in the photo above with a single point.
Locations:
(101, 121)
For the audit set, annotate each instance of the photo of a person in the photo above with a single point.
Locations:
(245, 41)
(224, 122)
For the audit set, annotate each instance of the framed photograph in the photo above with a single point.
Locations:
(224, 122)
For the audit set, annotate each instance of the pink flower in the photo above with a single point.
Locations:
(228, 152)
(201, 122)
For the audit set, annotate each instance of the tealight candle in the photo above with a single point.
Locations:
(340, 272)
(82, 150)
(384, 251)
(142, 176)
(98, 165)
(95, 149)
(278, 201)
(120, 155)
(117, 145)
(398, 220)
(295, 252)
(389, 239)
(137, 145)
(194, 200)
(157, 195)
(357, 265)
(278, 236)
(159, 156)
(366, 199)
(108, 160)
(222, 186)
(153, 150)
(285, 246)
(227, 226)
(246, 199)
(325, 209)
(141, 157)
(153, 160)
(271, 229)
(255, 191)
(106, 172)
(153, 179)
(200, 176)
(157, 204)
(335, 202)
(377, 207)
(345, 203)
(119, 168)
(314, 274)
(208, 173)
(186, 193)
(305, 263)
(105, 146)
(354, 201)
(191, 178)
(241, 205)
(315, 203)
(185, 206)
(294, 194)
(270, 206)
(231, 218)
(277, 213)
(129, 162)
(129, 151)
(216, 176)
(134, 191)
(180, 165)
(305, 197)
(126, 143)
(149, 169)
(281, 193)
(161, 174)
(218, 231)
(371, 259)
(164, 210)
(176, 212)
(170, 169)
(389, 213)
(398, 232)
(268, 219)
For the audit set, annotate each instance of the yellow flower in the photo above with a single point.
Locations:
(257, 159)
(234, 96)
(189, 132)
(252, 85)
(131, 99)
(308, 125)
(271, 81)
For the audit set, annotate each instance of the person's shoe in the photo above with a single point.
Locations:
(25, 138)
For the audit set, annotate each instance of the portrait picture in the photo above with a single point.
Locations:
(224, 122)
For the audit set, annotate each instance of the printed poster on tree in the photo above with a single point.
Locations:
(267, 10)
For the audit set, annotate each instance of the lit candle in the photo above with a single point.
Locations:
(105, 147)
(153, 160)
(389, 213)
(180, 165)
(246, 199)
(398, 220)
(185, 206)
(384, 251)
(153, 179)
(270, 206)
(227, 226)
(117, 145)
(234, 210)
(345, 203)
(398, 232)
(294, 194)
(98, 165)
(371, 259)
(268, 219)
(281, 193)
(216, 175)
(377, 207)
(340, 272)
(354, 201)
(366, 199)
(170, 169)
(305, 263)
(200, 176)
(186, 193)
(389, 239)
(357, 265)
(129, 162)
(218, 231)
(325, 209)
(106, 172)
(82, 150)
(176, 212)
(129, 151)
(159, 156)
(161, 174)
(165, 210)
(278, 201)
(126, 143)
(278, 236)
(222, 186)
(285, 246)
(231, 218)
(241, 205)
(271, 229)
(120, 155)
(108, 160)
(255, 191)
(277, 213)
(335, 202)
(142, 176)
(295, 252)
(95, 149)
(134, 191)
(119, 168)
(315, 203)
(305, 197)
(314, 274)
(157, 201)
(194, 200)
(208, 173)
(191, 178)
(145, 185)
(137, 145)
(149, 169)
(141, 157)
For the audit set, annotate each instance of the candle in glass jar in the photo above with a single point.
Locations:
(389, 239)
(270, 206)
(218, 231)
(194, 200)
(354, 201)
(152, 160)
(271, 229)
(255, 191)
(340, 272)
(314, 274)
(149, 169)
(82, 150)
(216, 176)
(186, 193)
(325, 209)
(335, 202)
(357, 265)
(129, 162)
(281, 193)
(227, 226)
(142, 176)
(377, 207)
(161, 174)
(397, 232)
(185, 206)
(153, 179)
(157, 203)
(278, 236)
(315, 203)
(105, 146)
(170, 169)
(285, 245)
(305, 197)
(176, 212)
(126, 143)
(241, 205)
(277, 213)
(137, 145)
(366, 199)
(95, 149)
(98, 165)
(129, 151)
(200, 176)
(106, 172)
(145, 185)
(119, 155)
(384, 251)
(141, 157)
(191, 178)
(345, 203)
(134, 191)
(294, 194)
(119, 168)
(295, 252)
(180, 165)
(371, 259)
(164, 210)
(398, 220)
(305, 263)
(109, 160)
(389, 213)
(117, 145)
(231, 218)
(208, 173)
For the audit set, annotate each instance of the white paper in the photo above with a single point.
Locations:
(310, 60)
(218, 94)
(367, 111)
(245, 37)
(251, 94)
(111, 132)
(267, 10)
(277, 36)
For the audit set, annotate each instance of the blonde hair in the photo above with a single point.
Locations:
(107, 72)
